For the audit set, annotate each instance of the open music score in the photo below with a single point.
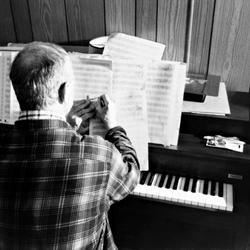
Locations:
(9, 107)
(121, 45)
(186, 191)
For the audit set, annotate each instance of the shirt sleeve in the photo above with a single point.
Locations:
(124, 172)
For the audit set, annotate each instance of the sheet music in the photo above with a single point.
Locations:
(165, 87)
(130, 98)
(180, 81)
(9, 106)
(127, 90)
(93, 77)
(120, 45)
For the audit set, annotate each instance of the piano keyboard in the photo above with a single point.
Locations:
(188, 191)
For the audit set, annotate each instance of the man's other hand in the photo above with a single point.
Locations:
(80, 113)
(106, 111)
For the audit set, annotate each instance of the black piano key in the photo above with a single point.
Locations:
(176, 182)
(186, 184)
(221, 191)
(194, 185)
(170, 176)
(205, 187)
(151, 179)
(162, 180)
(213, 188)
(143, 177)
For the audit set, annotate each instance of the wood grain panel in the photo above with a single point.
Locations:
(120, 16)
(230, 50)
(7, 29)
(171, 27)
(201, 36)
(48, 20)
(146, 11)
(22, 20)
(85, 19)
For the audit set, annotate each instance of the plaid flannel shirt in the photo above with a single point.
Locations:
(56, 186)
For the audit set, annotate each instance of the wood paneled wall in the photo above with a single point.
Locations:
(213, 36)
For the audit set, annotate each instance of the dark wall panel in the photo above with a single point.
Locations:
(146, 22)
(171, 27)
(120, 16)
(85, 19)
(7, 29)
(48, 20)
(22, 20)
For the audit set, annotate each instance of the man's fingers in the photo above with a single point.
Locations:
(88, 115)
(81, 110)
(82, 104)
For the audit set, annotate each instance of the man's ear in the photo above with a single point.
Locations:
(61, 92)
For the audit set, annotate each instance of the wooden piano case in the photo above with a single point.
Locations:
(139, 223)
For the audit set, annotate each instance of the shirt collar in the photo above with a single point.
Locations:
(39, 115)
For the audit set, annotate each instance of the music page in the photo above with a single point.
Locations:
(120, 45)
(9, 106)
(164, 97)
(93, 77)
(130, 98)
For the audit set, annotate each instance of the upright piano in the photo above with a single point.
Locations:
(193, 196)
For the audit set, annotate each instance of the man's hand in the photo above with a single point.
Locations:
(80, 113)
(105, 110)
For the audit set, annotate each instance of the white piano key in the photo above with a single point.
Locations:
(139, 189)
(208, 202)
(181, 193)
(161, 194)
(175, 191)
(180, 181)
(217, 201)
(139, 186)
(188, 197)
(229, 197)
(202, 197)
(170, 190)
(158, 180)
(144, 188)
(153, 190)
(157, 188)
(225, 194)
(195, 195)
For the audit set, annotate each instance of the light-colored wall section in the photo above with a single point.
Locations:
(120, 16)
(171, 27)
(146, 11)
(230, 49)
(202, 20)
(48, 20)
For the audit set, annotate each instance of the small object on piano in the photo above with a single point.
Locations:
(231, 143)
(194, 90)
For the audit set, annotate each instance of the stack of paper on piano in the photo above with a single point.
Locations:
(213, 105)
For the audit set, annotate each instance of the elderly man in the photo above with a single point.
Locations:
(56, 186)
